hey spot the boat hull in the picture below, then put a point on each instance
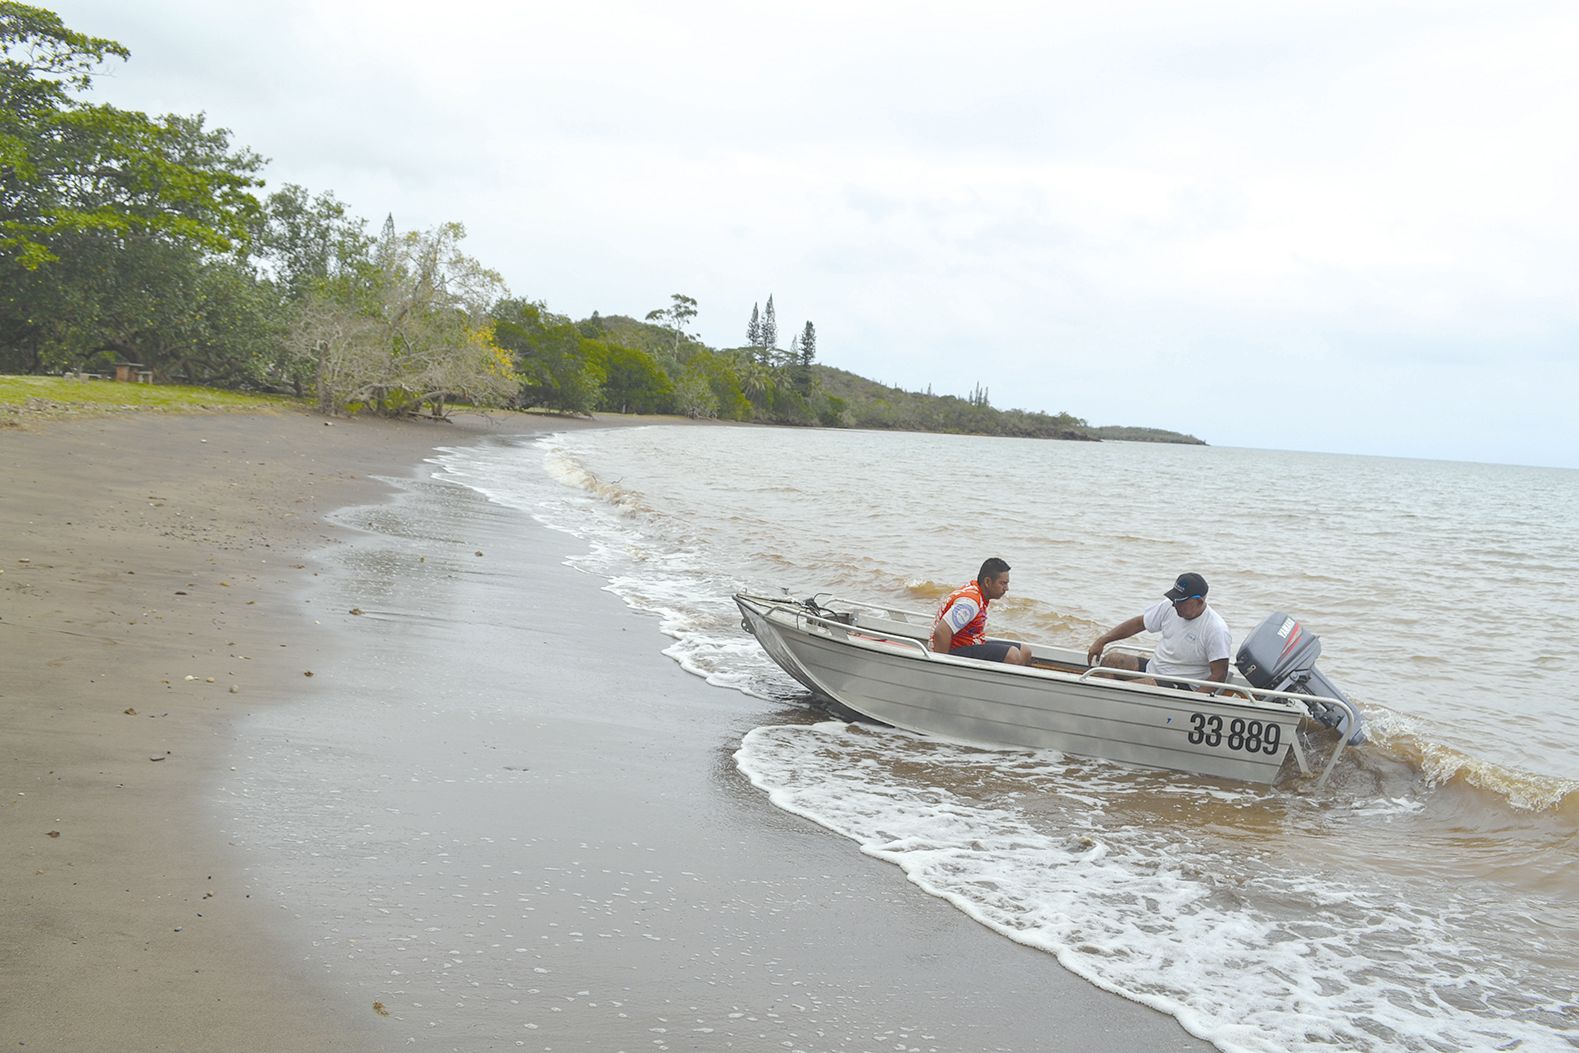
(988, 704)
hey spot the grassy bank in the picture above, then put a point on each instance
(26, 396)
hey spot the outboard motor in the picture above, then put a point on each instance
(1280, 655)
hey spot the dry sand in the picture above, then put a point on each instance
(152, 569)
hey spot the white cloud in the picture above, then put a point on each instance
(1344, 227)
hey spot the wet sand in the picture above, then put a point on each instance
(472, 827)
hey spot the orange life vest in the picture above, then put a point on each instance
(975, 630)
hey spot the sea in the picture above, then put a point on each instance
(1427, 898)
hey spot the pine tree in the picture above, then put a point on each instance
(805, 348)
(387, 249)
(754, 329)
(770, 332)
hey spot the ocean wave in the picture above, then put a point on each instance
(929, 591)
(1437, 764)
(563, 465)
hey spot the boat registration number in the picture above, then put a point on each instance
(1247, 736)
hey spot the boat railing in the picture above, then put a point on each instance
(844, 629)
(1262, 694)
(896, 613)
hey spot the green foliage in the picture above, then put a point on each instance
(867, 404)
(72, 167)
(117, 230)
(831, 412)
(228, 332)
(308, 241)
(718, 372)
(559, 368)
(693, 395)
(1130, 434)
(768, 333)
(633, 382)
(675, 318)
(185, 314)
(805, 355)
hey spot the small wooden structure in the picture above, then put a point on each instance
(128, 372)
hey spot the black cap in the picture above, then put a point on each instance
(1187, 587)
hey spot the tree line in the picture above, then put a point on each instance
(129, 237)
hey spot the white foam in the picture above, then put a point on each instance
(646, 558)
(1246, 952)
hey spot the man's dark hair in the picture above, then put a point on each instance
(991, 569)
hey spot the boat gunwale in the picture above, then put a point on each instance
(768, 607)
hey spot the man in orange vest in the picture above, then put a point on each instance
(961, 626)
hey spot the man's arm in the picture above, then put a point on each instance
(1219, 643)
(1219, 673)
(942, 636)
(1122, 631)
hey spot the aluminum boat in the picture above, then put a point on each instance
(876, 660)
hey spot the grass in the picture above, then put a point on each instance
(28, 396)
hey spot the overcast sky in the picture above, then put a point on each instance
(1350, 227)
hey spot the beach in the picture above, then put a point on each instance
(165, 582)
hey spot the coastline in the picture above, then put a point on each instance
(141, 551)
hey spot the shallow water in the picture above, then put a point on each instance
(1425, 901)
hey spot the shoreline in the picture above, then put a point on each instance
(187, 561)
(146, 575)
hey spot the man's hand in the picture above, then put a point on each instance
(1122, 631)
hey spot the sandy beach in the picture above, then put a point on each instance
(165, 581)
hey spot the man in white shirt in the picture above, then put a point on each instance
(1195, 640)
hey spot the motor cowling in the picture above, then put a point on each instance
(1280, 655)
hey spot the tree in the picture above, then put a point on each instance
(119, 234)
(345, 347)
(413, 329)
(67, 166)
(558, 368)
(693, 396)
(754, 329)
(806, 352)
(808, 345)
(675, 318)
(227, 330)
(729, 401)
(633, 382)
(770, 332)
(756, 381)
(308, 240)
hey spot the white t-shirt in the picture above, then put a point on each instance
(1187, 648)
